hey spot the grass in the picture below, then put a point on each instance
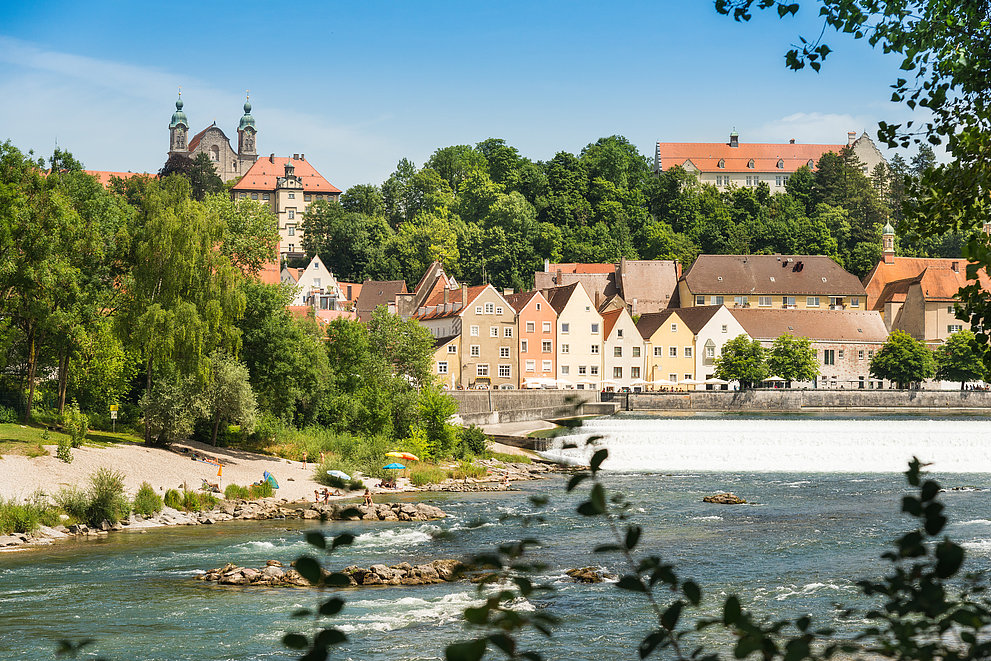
(420, 474)
(28, 440)
(548, 433)
(511, 458)
(467, 469)
(236, 492)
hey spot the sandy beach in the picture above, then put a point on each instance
(21, 476)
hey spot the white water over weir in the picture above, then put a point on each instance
(799, 444)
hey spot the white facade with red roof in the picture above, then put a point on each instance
(748, 164)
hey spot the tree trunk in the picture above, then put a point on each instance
(216, 426)
(32, 368)
(63, 379)
(148, 394)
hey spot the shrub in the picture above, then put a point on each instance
(76, 424)
(511, 458)
(7, 415)
(263, 490)
(207, 500)
(18, 517)
(420, 474)
(236, 492)
(107, 501)
(190, 501)
(355, 484)
(467, 469)
(73, 502)
(173, 499)
(472, 441)
(146, 501)
(64, 450)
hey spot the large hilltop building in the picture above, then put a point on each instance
(747, 164)
(213, 142)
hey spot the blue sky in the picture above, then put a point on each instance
(358, 85)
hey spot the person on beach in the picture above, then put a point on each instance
(505, 480)
(368, 497)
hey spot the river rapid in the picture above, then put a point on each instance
(824, 494)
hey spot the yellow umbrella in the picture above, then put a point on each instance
(403, 455)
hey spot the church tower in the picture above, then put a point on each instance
(178, 130)
(888, 244)
(247, 152)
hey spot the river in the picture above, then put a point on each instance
(824, 495)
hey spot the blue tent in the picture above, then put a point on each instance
(270, 479)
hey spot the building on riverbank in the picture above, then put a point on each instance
(645, 285)
(579, 336)
(623, 351)
(536, 323)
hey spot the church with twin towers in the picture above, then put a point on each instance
(213, 142)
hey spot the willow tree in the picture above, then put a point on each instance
(186, 294)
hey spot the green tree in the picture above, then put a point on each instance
(250, 231)
(436, 408)
(171, 407)
(365, 199)
(904, 360)
(793, 358)
(351, 244)
(958, 359)
(228, 396)
(743, 360)
(199, 171)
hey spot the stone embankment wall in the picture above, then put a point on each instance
(806, 400)
(488, 407)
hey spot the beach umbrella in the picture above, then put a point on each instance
(403, 455)
(689, 382)
(715, 381)
(775, 378)
(663, 382)
(394, 467)
(340, 474)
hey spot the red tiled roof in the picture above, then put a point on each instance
(104, 176)
(574, 267)
(817, 325)
(270, 274)
(264, 173)
(609, 320)
(375, 293)
(706, 155)
(942, 284)
(435, 304)
(889, 282)
(355, 289)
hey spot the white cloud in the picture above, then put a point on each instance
(814, 128)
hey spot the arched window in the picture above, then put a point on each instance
(781, 164)
(722, 163)
(214, 153)
(750, 164)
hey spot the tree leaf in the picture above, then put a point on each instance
(308, 568)
(295, 641)
(471, 650)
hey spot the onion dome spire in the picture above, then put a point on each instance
(179, 117)
(246, 120)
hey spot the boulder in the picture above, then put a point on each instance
(371, 578)
(273, 571)
(724, 499)
(587, 575)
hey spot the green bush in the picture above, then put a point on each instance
(510, 458)
(420, 474)
(472, 441)
(468, 469)
(355, 484)
(190, 501)
(18, 517)
(173, 499)
(107, 501)
(73, 502)
(207, 500)
(146, 501)
(7, 415)
(76, 424)
(64, 450)
(263, 490)
(236, 492)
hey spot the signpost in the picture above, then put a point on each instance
(113, 416)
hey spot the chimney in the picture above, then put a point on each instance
(302, 157)
(792, 141)
(557, 280)
(271, 158)
(734, 139)
(507, 291)
(547, 266)
(445, 296)
(851, 137)
(464, 296)
(295, 157)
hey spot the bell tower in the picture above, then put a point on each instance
(246, 134)
(888, 244)
(178, 130)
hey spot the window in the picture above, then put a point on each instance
(673, 377)
(565, 370)
(242, 195)
(507, 331)
(254, 196)
(493, 331)
(840, 354)
(538, 307)
(546, 346)
(828, 357)
(811, 164)
(617, 352)
(954, 328)
(531, 366)
(741, 301)
(547, 327)
(811, 301)
(265, 196)
(482, 369)
(781, 164)
(855, 302)
(673, 352)
(860, 354)
(316, 282)
(700, 300)
(687, 377)
(764, 301)
(719, 180)
(452, 348)
(688, 352)
(530, 326)
(634, 372)
(291, 230)
(292, 247)
(524, 345)
(658, 351)
(636, 352)
(478, 309)
(619, 332)
(504, 352)
(715, 300)
(722, 163)
(475, 351)
(593, 370)
(546, 365)
(750, 164)
(474, 331)
(595, 350)
(949, 309)
(565, 329)
(306, 198)
(710, 352)
(442, 367)
(617, 372)
(489, 308)
(582, 370)
(595, 329)
(725, 328)
(565, 348)
(292, 196)
(505, 371)
(674, 328)
(750, 180)
(788, 301)
(291, 213)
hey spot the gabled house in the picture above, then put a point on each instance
(537, 324)
(447, 362)
(623, 351)
(314, 285)
(789, 282)
(579, 337)
(375, 293)
(485, 324)
(682, 344)
(645, 285)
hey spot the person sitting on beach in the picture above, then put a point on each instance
(368, 497)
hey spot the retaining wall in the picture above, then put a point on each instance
(806, 400)
(487, 407)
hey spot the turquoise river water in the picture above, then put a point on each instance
(825, 493)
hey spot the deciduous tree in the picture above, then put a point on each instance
(793, 358)
(958, 359)
(743, 360)
(904, 360)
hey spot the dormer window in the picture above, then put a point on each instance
(722, 163)
(781, 164)
(750, 164)
(810, 164)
